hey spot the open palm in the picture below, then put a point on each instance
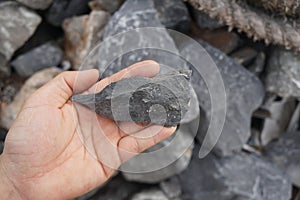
(59, 150)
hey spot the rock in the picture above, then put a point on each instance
(17, 25)
(154, 194)
(258, 65)
(283, 73)
(281, 114)
(44, 56)
(88, 195)
(285, 153)
(244, 93)
(242, 177)
(9, 86)
(161, 100)
(118, 188)
(63, 9)
(244, 56)
(166, 159)
(173, 14)
(171, 187)
(36, 4)
(219, 38)
(82, 34)
(294, 124)
(10, 112)
(204, 21)
(149, 43)
(107, 5)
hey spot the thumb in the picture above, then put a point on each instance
(58, 91)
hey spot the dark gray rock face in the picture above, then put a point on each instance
(205, 21)
(285, 152)
(63, 9)
(36, 4)
(173, 14)
(171, 187)
(161, 100)
(136, 14)
(244, 94)
(283, 73)
(17, 25)
(241, 177)
(168, 158)
(44, 56)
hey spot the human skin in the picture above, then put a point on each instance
(44, 156)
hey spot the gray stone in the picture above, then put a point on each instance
(82, 34)
(173, 14)
(285, 152)
(281, 114)
(283, 73)
(152, 194)
(204, 21)
(44, 56)
(244, 94)
(107, 5)
(258, 65)
(161, 100)
(171, 187)
(10, 112)
(136, 14)
(241, 177)
(118, 188)
(63, 9)
(171, 161)
(36, 4)
(244, 56)
(17, 25)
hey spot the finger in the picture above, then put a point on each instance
(58, 91)
(131, 145)
(146, 68)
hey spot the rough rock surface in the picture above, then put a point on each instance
(17, 25)
(10, 112)
(171, 187)
(152, 194)
(136, 14)
(285, 152)
(204, 21)
(63, 9)
(241, 176)
(107, 5)
(36, 4)
(179, 150)
(283, 73)
(82, 34)
(44, 56)
(161, 100)
(244, 94)
(173, 14)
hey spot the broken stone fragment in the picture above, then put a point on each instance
(283, 73)
(82, 34)
(41, 57)
(161, 100)
(36, 4)
(17, 24)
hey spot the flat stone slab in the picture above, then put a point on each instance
(162, 100)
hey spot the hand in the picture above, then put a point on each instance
(55, 150)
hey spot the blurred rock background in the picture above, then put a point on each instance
(258, 154)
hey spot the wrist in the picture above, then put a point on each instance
(7, 188)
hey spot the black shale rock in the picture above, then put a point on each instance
(161, 100)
